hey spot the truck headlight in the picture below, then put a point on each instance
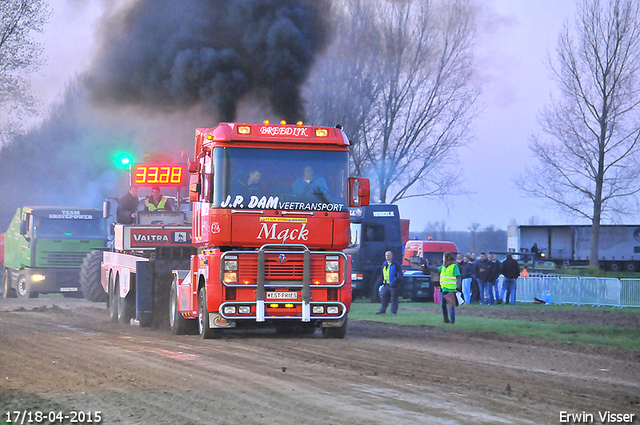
(332, 310)
(332, 266)
(231, 265)
(244, 309)
(331, 277)
(317, 309)
(229, 309)
(37, 277)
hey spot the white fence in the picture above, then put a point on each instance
(578, 290)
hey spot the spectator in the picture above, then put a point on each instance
(511, 271)
(435, 274)
(128, 206)
(450, 281)
(492, 279)
(391, 279)
(536, 253)
(466, 274)
(482, 273)
(475, 292)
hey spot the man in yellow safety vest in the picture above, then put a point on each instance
(391, 279)
(450, 281)
(156, 202)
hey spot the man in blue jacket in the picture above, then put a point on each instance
(391, 279)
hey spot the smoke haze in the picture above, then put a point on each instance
(162, 69)
(169, 55)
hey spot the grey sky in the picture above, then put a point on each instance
(514, 39)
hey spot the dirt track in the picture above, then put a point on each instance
(64, 354)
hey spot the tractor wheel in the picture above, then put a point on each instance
(90, 278)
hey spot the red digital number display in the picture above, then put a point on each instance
(158, 175)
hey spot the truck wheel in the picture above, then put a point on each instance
(206, 332)
(90, 277)
(127, 307)
(375, 290)
(631, 267)
(7, 290)
(114, 294)
(339, 332)
(179, 325)
(23, 292)
(615, 267)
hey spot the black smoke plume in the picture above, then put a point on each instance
(168, 54)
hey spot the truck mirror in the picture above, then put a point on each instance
(23, 227)
(359, 192)
(194, 167)
(194, 188)
(106, 209)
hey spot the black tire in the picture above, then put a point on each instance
(7, 290)
(205, 331)
(179, 325)
(127, 305)
(114, 295)
(615, 267)
(22, 290)
(631, 267)
(376, 282)
(90, 278)
(338, 332)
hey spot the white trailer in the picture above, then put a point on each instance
(570, 244)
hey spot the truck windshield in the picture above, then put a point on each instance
(68, 229)
(248, 178)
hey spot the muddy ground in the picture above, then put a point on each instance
(64, 354)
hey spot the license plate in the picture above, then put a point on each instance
(282, 295)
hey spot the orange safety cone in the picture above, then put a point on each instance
(524, 273)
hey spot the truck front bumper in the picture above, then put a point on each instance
(46, 280)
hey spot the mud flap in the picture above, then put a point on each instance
(144, 292)
(217, 321)
(334, 323)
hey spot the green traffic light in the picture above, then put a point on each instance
(123, 160)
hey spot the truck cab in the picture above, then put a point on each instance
(271, 222)
(417, 282)
(375, 229)
(45, 247)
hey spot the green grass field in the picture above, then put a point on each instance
(420, 314)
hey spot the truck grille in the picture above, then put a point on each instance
(292, 269)
(63, 259)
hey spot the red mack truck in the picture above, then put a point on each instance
(270, 222)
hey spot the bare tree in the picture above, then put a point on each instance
(588, 163)
(399, 74)
(19, 55)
